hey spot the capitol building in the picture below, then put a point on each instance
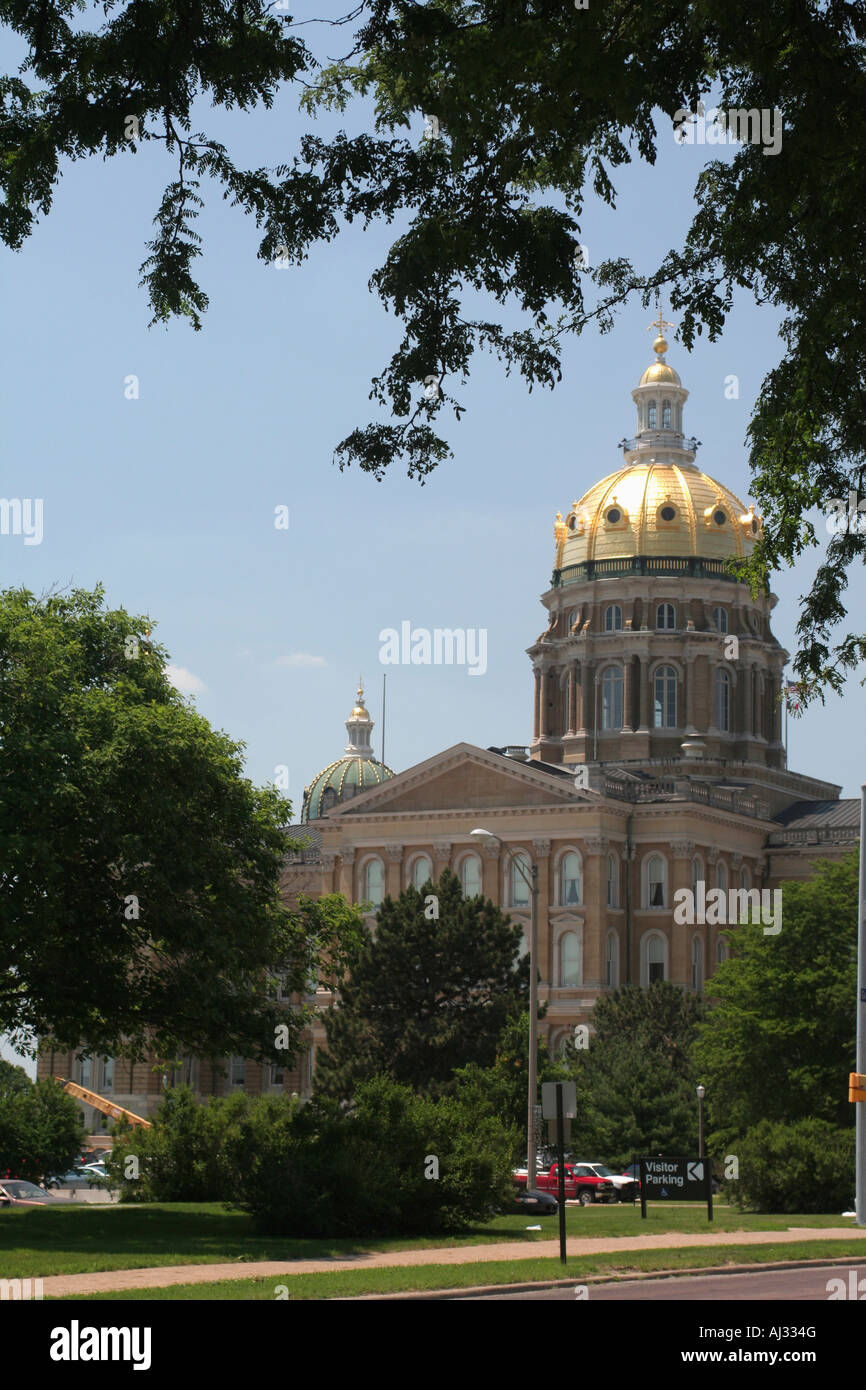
(656, 761)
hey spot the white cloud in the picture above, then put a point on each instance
(301, 659)
(184, 680)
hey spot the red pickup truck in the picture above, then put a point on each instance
(581, 1183)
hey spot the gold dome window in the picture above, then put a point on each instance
(666, 515)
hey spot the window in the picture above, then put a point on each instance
(722, 876)
(108, 1073)
(720, 517)
(652, 415)
(745, 879)
(374, 882)
(721, 950)
(573, 617)
(612, 618)
(614, 516)
(666, 618)
(665, 706)
(666, 415)
(519, 884)
(86, 1072)
(569, 879)
(611, 960)
(655, 877)
(611, 698)
(697, 875)
(283, 991)
(722, 717)
(655, 957)
(238, 1073)
(668, 513)
(720, 618)
(612, 881)
(422, 871)
(697, 963)
(470, 875)
(569, 960)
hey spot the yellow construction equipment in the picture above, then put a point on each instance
(98, 1102)
(856, 1086)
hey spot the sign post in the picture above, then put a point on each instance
(558, 1102)
(676, 1179)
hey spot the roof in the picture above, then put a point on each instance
(807, 815)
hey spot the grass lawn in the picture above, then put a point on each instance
(352, 1283)
(75, 1240)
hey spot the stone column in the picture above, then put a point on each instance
(347, 872)
(680, 936)
(595, 902)
(490, 872)
(644, 694)
(689, 679)
(537, 713)
(627, 722)
(329, 860)
(570, 684)
(544, 962)
(585, 698)
(748, 724)
(544, 728)
(394, 870)
(442, 858)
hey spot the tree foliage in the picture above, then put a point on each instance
(806, 1166)
(780, 1040)
(532, 107)
(139, 870)
(636, 1081)
(425, 994)
(41, 1130)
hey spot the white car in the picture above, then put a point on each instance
(626, 1188)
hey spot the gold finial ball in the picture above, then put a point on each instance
(660, 345)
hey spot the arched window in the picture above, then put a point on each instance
(666, 415)
(611, 698)
(86, 1072)
(611, 960)
(651, 415)
(722, 717)
(722, 876)
(655, 881)
(470, 876)
(697, 963)
(519, 884)
(613, 618)
(720, 618)
(666, 618)
(612, 881)
(655, 959)
(569, 880)
(422, 871)
(665, 701)
(108, 1073)
(745, 878)
(569, 960)
(721, 950)
(374, 882)
(573, 617)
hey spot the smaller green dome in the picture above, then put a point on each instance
(339, 781)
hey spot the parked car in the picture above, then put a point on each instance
(93, 1175)
(581, 1183)
(16, 1192)
(535, 1203)
(627, 1189)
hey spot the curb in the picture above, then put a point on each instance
(439, 1294)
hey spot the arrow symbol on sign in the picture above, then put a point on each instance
(696, 1172)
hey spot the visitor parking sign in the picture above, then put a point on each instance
(676, 1179)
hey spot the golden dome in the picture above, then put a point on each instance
(358, 710)
(660, 371)
(657, 509)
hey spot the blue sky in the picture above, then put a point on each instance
(168, 500)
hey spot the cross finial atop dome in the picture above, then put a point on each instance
(660, 324)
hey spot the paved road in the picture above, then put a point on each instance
(785, 1285)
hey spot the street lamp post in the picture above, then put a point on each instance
(701, 1093)
(531, 880)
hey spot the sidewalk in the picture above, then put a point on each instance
(68, 1285)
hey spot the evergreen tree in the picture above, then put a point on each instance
(430, 990)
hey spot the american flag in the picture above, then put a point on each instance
(793, 696)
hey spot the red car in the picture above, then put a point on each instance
(581, 1183)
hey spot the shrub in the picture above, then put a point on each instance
(320, 1170)
(806, 1166)
(185, 1157)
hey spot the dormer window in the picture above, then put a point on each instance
(614, 516)
(720, 517)
(651, 415)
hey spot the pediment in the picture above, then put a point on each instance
(462, 776)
